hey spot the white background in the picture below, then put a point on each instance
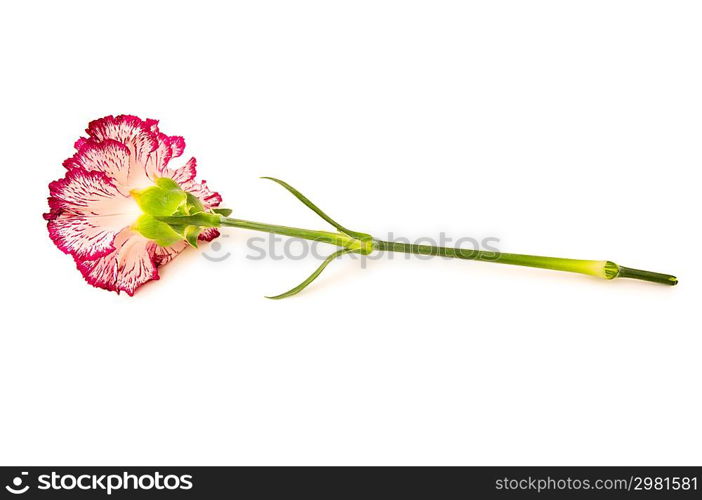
(563, 128)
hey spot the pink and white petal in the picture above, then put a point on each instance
(128, 267)
(169, 147)
(208, 198)
(131, 131)
(152, 125)
(184, 174)
(163, 255)
(158, 159)
(208, 234)
(177, 144)
(134, 133)
(78, 237)
(80, 143)
(86, 212)
(109, 156)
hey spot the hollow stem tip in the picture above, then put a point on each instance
(664, 279)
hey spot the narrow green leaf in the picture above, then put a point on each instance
(312, 276)
(191, 234)
(223, 211)
(297, 194)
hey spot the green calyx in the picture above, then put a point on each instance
(163, 198)
(171, 214)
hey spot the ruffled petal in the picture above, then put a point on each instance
(129, 266)
(208, 234)
(110, 157)
(80, 143)
(149, 150)
(184, 174)
(131, 131)
(163, 255)
(169, 147)
(136, 135)
(86, 212)
(177, 145)
(207, 197)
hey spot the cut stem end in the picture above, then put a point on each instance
(638, 274)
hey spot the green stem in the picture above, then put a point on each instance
(364, 244)
(338, 239)
(600, 268)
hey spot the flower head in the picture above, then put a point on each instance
(97, 211)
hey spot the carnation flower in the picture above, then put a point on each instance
(94, 208)
(121, 212)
